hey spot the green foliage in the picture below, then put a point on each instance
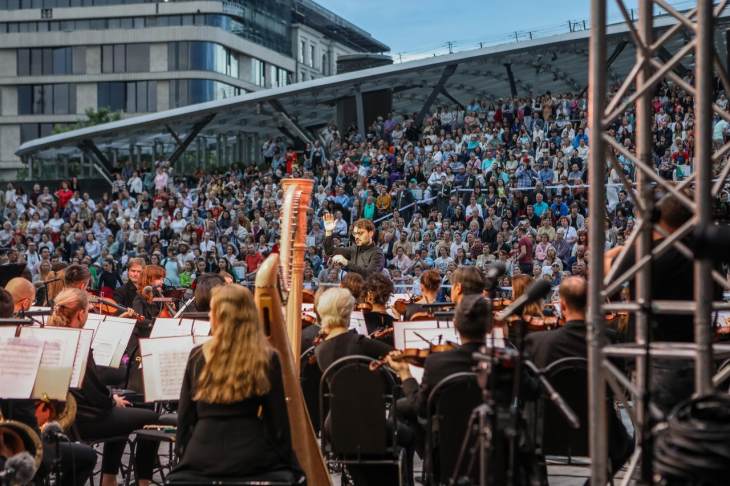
(93, 117)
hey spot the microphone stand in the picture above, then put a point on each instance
(513, 428)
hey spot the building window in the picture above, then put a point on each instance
(125, 58)
(302, 51)
(312, 55)
(201, 56)
(31, 131)
(48, 61)
(258, 72)
(129, 97)
(190, 91)
(323, 67)
(282, 76)
(47, 99)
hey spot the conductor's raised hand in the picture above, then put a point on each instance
(329, 223)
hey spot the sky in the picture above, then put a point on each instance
(419, 28)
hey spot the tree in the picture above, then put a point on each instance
(93, 117)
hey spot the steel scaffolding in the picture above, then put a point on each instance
(636, 91)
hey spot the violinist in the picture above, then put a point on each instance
(148, 287)
(466, 281)
(203, 291)
(519, 286)
(77, 460)
(430, 283)
(354, 283)
(125, 294)
(334, 307)
(76, 276)
(100, 414)
(377, 290)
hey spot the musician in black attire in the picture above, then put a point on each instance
(377, 290)
(232, 416)
(466, 281)
(430, 283)
(365, 257)
(203, 291)
(569, 341)
(334, 307)
(77, 460)
(125, 294)
(672, 278)
(101, 415)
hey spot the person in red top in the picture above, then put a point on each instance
(253, 259)
(64, 195)
(524, 255)
(291, 160)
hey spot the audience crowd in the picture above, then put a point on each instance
(495, 180)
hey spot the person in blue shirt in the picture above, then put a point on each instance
(546, 174)
(540, 205)
(558, 207)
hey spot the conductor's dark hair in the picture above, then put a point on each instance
(203, 287)
(7, 306)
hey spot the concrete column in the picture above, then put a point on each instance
(158, 58)
(9, 102)
(93, 59)
(86, 97)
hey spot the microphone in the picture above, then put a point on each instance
(494, 272)
(19, 469)
(52, 432)
(538, 290)
(43, 283)
(41, 312)
(147, 290)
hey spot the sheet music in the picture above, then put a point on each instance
(21, 358)
(82, 356)
(92, 325)
(201, 339)
(7, 332)
(123, 320)
(111, 340)
(201, 328)
(57, 361)
(357, 322)
(163, 366)
(170, 326)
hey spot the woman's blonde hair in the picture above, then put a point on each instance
(237, 357)
(66, 305)
(519, 285)
(334, 307)
(56, 286)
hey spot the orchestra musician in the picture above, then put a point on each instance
(519, 286)
(76, 276)
(430, 283)
(22, 292)
(100, 414)
(77, 460)
(125, 294)
(377, 290)
(203, 291)
(334, 307)
(466, 281)
(148, 285)
(354, 282)
(365, 257)
(232, 416)
(54, 283)
(568, 341)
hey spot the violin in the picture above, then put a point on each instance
(413, 356)
(381, 333)
(400, 305)
(109, 307)
(168, 310)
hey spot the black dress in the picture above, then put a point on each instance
(240, 439)
(349, 344)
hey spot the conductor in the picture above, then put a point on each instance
(365, 257)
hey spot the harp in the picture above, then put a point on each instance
(283, 275)
(297, 195)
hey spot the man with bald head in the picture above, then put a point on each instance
(23, 293)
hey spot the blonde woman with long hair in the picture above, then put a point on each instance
(102, 415)
(232, 417)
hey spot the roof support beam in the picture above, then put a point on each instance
(102, 164)
(298, 131)
(172, 132)
(614, 55)
(665, 56)
(360, 112)
(448, 71)
(511, 78)
(452, 99)
(194, 131)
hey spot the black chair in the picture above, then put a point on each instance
(569, 376)
(309, 375)
(449, 407)
(360, 428)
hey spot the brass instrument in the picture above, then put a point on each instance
(303, 437)
(64, 413)
(17, 437)
(297, 194)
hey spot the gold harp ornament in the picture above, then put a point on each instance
(304, 441)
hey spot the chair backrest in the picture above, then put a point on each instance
(569, 376)
(309, 375)
(449, 407)
(354, 400)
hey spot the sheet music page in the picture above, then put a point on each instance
(21, 358)
(201, 339)
(7, 332)
(82, 356)
(57, 361)
(357, 322)
(92, 325)
(123, 320)
(163, 366)
(170, 326)
(110, 341)
(201, 328)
